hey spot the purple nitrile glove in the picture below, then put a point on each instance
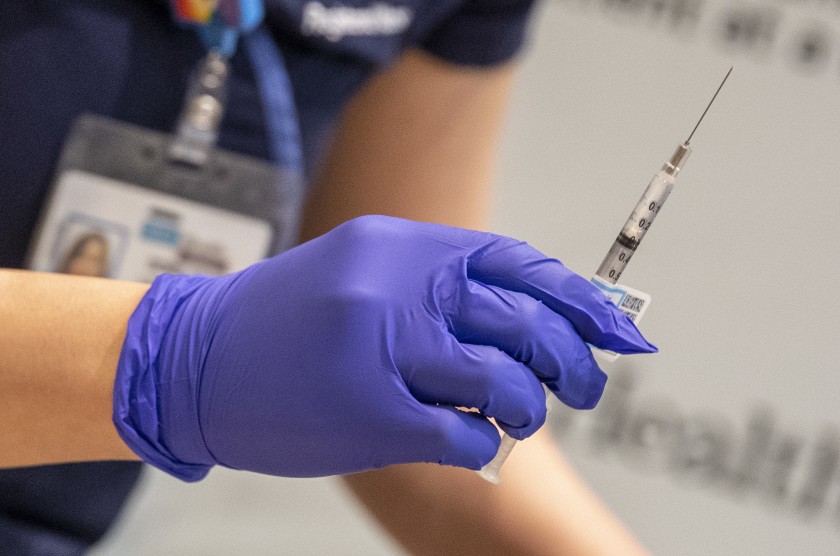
(351, 352)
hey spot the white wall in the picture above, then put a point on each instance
(727, 441)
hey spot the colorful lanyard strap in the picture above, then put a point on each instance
(219, 23)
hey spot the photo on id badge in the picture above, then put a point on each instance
(88, 246)
(120, 208)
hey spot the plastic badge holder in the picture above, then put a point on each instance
(154, 214)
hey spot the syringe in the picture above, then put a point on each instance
(648, 207)
(622, 249)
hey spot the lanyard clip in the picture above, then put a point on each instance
(198, 125)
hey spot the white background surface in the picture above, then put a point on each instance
(741, 263)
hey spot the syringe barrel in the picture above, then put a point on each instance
(640, 221)
(614, 263)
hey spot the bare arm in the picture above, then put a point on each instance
(541, 507)
(60, 338)
(419, 143)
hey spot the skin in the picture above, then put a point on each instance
(60, 338)
(403, 148)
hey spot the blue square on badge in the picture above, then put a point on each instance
(161, 227)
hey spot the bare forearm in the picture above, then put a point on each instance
(60, 338)
(541, 507)
(424, 154)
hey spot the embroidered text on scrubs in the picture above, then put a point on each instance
(335, 23)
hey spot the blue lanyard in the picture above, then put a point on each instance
(279, 105)
(281, 123)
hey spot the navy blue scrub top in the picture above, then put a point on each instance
(126, 59)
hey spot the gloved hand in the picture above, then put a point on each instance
(350, 352)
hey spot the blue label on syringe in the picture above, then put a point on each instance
(631, 302)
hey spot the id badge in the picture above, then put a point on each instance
(120, 207)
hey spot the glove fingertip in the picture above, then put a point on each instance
(469, 439)
(521, 433)
(628, 346)
(584, 393)
(623, 336)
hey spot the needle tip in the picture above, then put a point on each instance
(690, 135)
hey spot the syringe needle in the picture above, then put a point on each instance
(709, 105)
